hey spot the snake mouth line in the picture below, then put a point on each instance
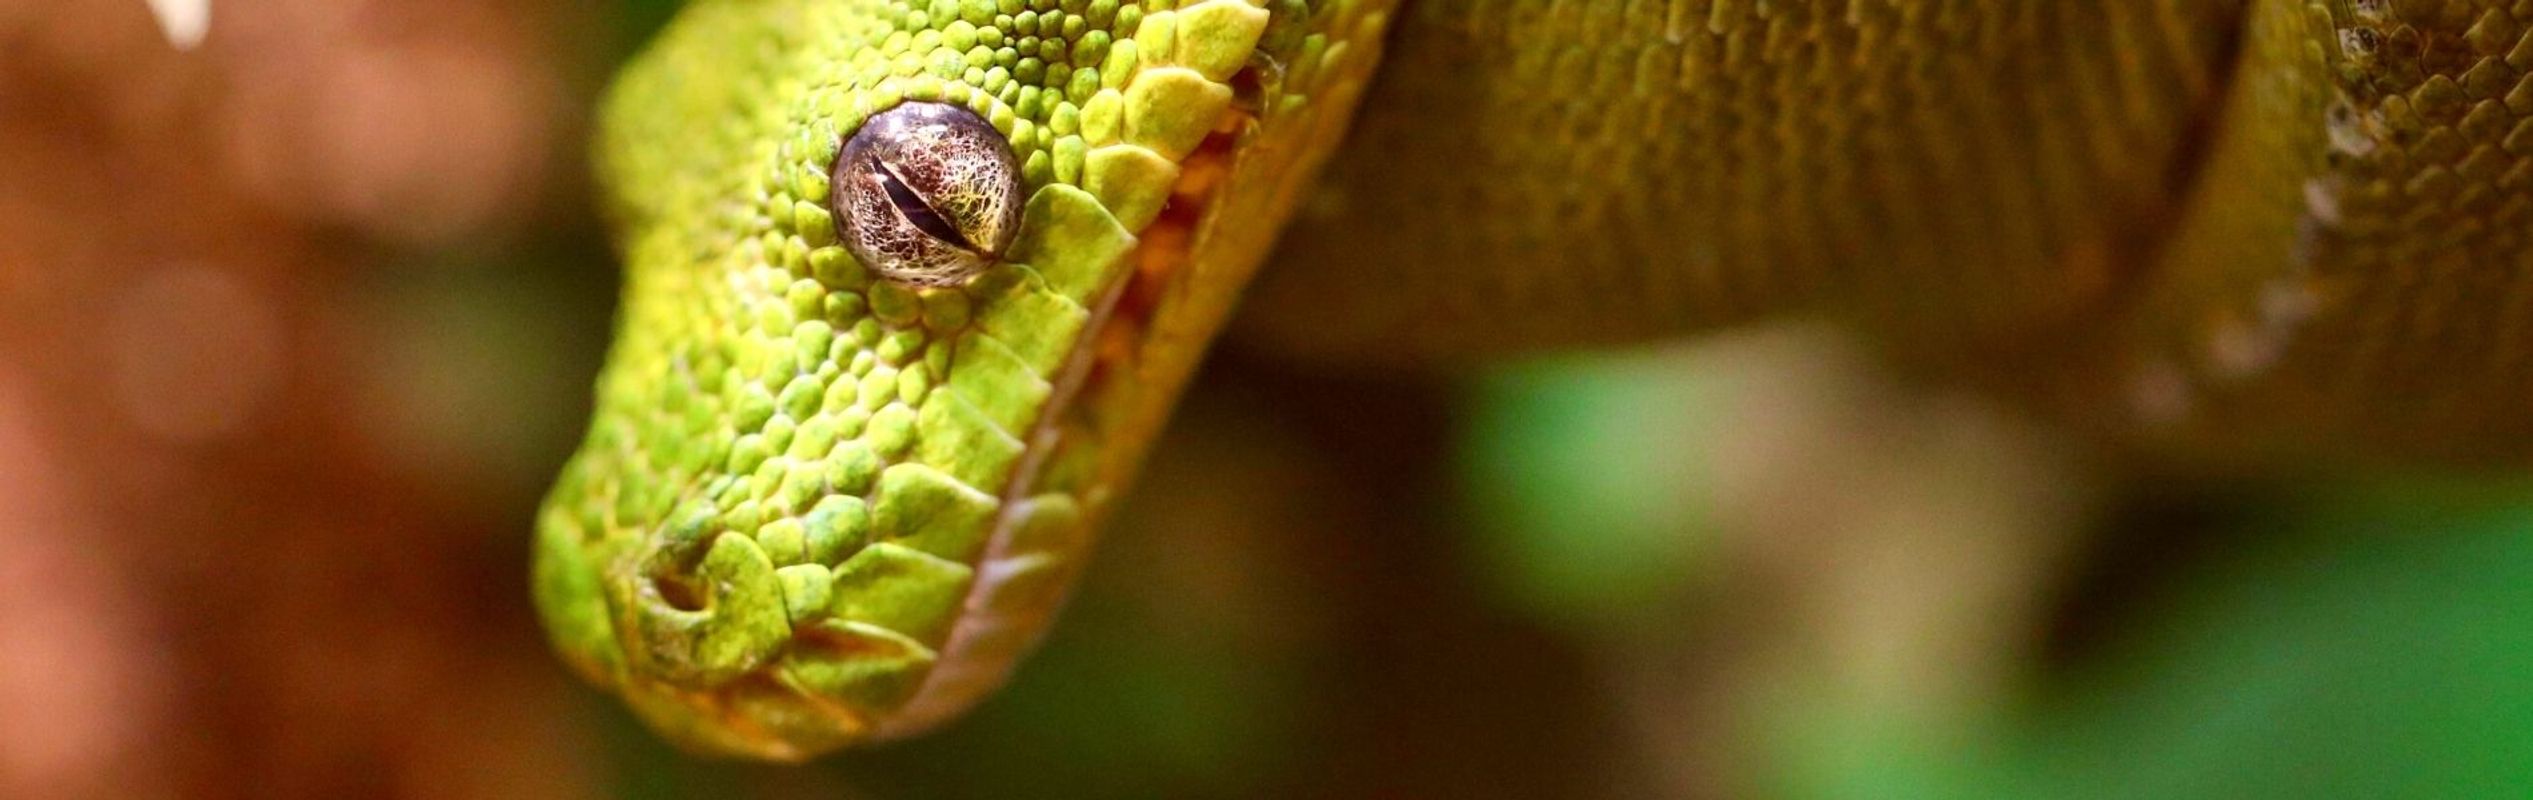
(1098, 371)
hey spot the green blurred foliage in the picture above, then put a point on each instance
(2369, 641)
(2322, 637)
(1585, 483)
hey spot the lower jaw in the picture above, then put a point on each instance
(1112, 399)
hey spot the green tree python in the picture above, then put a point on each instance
(912, 284)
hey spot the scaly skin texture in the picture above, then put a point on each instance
(1567, 172)
(2244, 228)
(816, 508)
(2352, 273)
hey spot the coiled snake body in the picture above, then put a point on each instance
(913, 283)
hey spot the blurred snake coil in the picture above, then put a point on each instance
(819, 505)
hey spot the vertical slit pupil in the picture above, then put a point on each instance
(916, 211)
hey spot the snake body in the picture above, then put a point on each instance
(819, 505)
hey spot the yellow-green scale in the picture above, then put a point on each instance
(796, 470)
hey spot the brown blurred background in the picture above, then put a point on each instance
(295, 325)
(290, 325)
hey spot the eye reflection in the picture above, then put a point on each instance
(927, 194)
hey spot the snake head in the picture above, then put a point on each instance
(904, 300)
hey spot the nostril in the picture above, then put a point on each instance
(680, 593)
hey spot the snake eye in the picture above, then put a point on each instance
(927, 194)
